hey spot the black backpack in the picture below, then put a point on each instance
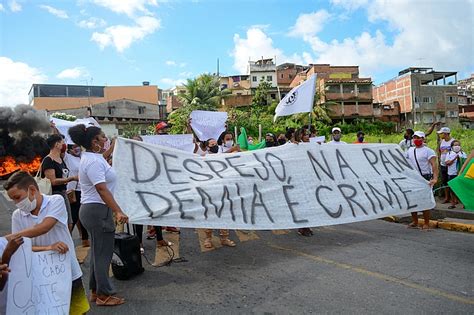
(126, 259)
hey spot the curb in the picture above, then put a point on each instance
(445, 225)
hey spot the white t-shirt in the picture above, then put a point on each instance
(52, 207)
(444, 148)
(72, 163)
(406, 144)
(423, 155)
(453, 168)
(336, 142)
(4, 292)
(94, 170)
(224, 149)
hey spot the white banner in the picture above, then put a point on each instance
(179, 142)
(39, 282)
(298, 100)
(283, 187)
(207, 125)
(64, 125)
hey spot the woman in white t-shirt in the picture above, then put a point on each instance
(453, 160)
(98, 180)
(423, 160)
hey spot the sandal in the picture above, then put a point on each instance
(426, 228)
(227, 242)
(109, 301)
(208, 243)
(413, 226)
(93, 297)
(305, 232)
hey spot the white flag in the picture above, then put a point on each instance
(298, 100)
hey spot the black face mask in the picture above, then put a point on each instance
(407, 137)
(214, 149)
(281, 141)
(269, 144)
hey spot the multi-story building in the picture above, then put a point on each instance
(240, 90)
(172, 100)
(342, 91)
(262, 70)
(465, 91)
(423, 94)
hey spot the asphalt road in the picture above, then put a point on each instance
(370, 267)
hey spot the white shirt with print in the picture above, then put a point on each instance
(444, 148)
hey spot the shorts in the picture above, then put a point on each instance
(451, 177)
(444, 174)
(79, 301)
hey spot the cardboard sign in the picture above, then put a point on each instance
(207, 125)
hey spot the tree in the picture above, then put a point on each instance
(201, 93)
(260, 99)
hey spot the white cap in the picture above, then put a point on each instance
(335, 129)
(444, 130)
(420, 134)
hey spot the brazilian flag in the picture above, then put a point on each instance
(245, 145)
(463, 187)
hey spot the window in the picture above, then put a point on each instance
(427, 99)
(290, 76)
(417, 100)
(364, 88)
(141, 110)
(269, 78)
(273, 96)
(452, 99)
(111, 110)
(52, 91)
(254, 78)
(333, 88)
(348, 88)
(281, 76)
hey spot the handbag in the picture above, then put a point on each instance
(44, 184)
(71, 195)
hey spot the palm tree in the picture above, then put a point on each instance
(203, 91)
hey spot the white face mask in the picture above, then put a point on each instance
(26, 205)
(456, 148)
(229, 143)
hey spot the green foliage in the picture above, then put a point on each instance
(131, 130)
(63, 116)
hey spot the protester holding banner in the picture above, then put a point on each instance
(336, 136)
(54, 168)
(407, 142)
(72, 158)
(223, 233)
(44, 219)
(226, 143)
(270, 140)
(98, 180)
(424, 160)
(454, 160)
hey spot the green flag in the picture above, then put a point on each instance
(463, 187)
(245, 145)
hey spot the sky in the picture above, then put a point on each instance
(125, 42)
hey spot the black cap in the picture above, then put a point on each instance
(360, 133)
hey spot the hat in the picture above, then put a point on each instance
(335, 129)
(161, 125)
(444, 130)
(420, 134)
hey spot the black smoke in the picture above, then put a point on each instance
(23, 132)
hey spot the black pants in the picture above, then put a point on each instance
(139, 231)
(75, 215)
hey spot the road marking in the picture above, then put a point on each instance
(377, 275)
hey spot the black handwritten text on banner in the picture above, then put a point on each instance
(277, 188)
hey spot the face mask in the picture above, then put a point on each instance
(281, 141)
(269, 144)
(250, 141)
(76, 151)
(63, 148)
(214, 149)
(456, 148)
(336, 137)
(26, 205)
(107, 144)
(360, 139)
(418, 142)
(229, 143)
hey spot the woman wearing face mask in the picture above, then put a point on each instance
(226, 143)
(213, 148)
(454, 160)
(270, 140)
(72, 158)
(54, 168)
(424, 160)
(98, 179)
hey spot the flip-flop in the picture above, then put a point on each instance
(413, 226)
(109, 301)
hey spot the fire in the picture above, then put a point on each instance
(10, 165)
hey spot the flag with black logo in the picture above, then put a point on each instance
(298, 100)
